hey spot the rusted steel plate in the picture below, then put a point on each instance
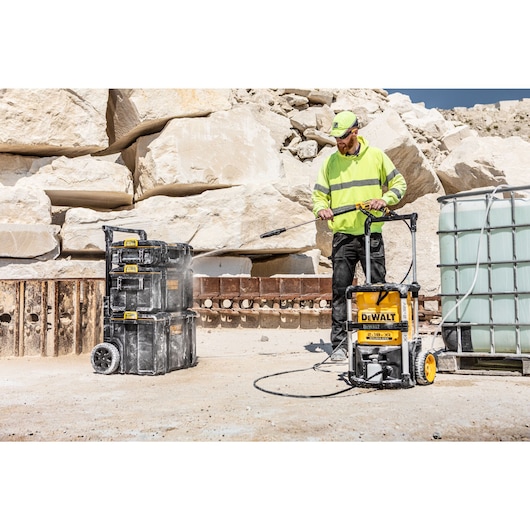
(50, 317)
(9, 317)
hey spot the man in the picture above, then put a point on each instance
(355, 173)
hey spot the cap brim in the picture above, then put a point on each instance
(337, 133)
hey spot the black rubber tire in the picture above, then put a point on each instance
(425, 368)
(105, 358)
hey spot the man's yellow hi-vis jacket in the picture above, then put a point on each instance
(345, 180)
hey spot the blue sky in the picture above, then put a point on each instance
(448, 98)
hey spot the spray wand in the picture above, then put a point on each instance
(336, 211)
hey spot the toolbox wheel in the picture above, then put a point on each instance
(105, 358)
(425, 368)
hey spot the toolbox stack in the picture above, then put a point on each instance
(148, 326)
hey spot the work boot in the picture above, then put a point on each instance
(339, 354)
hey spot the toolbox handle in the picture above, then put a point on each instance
(130, 284)
(109, 232)
(109, 236)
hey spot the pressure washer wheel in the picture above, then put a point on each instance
(425, 368)
(105, 358)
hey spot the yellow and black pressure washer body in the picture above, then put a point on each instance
(387, 352)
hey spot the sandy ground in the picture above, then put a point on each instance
(253, 385)
(269, 481)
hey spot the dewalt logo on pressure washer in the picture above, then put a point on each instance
(376, 321)
(378, 317)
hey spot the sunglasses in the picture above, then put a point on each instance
(348, 132)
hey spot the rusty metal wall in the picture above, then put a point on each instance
(49, 318)
(266, 302)
(55, 317)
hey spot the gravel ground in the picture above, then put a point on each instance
(62, 399)
(268, 484)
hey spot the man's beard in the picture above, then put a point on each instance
(344, 147)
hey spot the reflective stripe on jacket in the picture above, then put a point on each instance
(348, 180)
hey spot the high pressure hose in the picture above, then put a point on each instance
(303, 396)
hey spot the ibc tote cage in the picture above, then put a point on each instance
(485, 271)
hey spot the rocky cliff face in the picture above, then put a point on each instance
(504, 119)
(217, 168)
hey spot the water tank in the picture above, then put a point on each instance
(485, 270)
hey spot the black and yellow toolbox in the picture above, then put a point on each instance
(148, 323)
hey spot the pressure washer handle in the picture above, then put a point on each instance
(388, 215)
(274, 232)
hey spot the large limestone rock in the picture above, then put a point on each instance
(228, 148)
(215, 222)
(19, 205)
(430, 121)
(452, 138)
(298, 172)
(21, 269)
(139, 112)
(363, 102)
(319, 118)
(14, 167)
(303, 263)
(25, 229)
(479, 162)
(313, 95)
(221, 266)
(53, 121)
(85, 181)
(29, 241)
(388, 132)
(279, 126)
(401, 103)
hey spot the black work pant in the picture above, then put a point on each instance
(348, 250)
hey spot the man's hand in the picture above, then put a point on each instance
(326, 214)
(375, 204)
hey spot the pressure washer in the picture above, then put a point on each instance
(387, 352)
